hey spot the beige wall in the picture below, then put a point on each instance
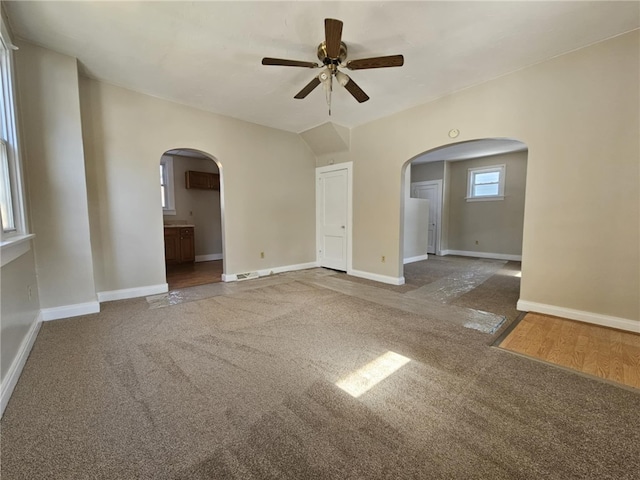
(578, 114)
(197, 207)
(424, 172)
(17, 312)
(268, 185)
(54, 165)
(495, 225)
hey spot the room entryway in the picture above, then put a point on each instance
(465, 200)
(191, 193)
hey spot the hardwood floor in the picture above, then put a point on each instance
(192, 274)
(591, 349)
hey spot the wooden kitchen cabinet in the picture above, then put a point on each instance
(171, 245)
(187, 246)
(179, 245)
(202, 180)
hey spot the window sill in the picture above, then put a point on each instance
(485, 199)
(14, 247)
(168, 212)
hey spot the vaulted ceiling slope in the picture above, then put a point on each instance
(207, 54)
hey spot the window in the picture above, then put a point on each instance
(6, 197)
(166, 186)
(486, 183)
(11, 199)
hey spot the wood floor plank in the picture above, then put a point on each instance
(616, 361)
(631, 359)
(192, 274)
(549, 340)
(591, 349)
(580, 350)
(604, 355)
(590, 364)
(631, 375)
(518, 335)
(519, 339)
(536, 337)
(630, 339)
(557, 354)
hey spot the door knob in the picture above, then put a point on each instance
(342, 226)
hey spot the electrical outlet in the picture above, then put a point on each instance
(476, 242)
(384, 259)
(261, 254)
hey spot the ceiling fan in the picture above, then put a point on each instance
(333, 54)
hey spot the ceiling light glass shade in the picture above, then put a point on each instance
(325, 76)
(342, 78)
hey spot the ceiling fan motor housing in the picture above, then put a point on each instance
(326, 60)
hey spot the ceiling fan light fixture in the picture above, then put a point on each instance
(342, 78)
(325, 76)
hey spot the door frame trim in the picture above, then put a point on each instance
(439, 183)
(348, 166)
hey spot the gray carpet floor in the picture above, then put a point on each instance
(240, 382)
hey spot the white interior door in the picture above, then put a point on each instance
(433, 192)
(332, 220)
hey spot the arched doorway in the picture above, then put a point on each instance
(192, 197)
(462, 219)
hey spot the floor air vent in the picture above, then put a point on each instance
(247, 276)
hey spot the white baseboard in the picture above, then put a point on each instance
(67, 311)
(418, 258)
(132, 292)
(581, 316)
(13, 374)
(287, 268)
(495, 256)
(209, 257)
(232, 277)
(377, 277)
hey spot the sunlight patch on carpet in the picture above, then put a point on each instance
(365, 378)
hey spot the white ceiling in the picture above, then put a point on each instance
(471, 149)
(207, 54)
(187, 153)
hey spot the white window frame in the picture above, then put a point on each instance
(13, 243)
(169, 187)
(471, 175)
(7, 212)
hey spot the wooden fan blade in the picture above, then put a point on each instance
(353, 88)
(333, 36)
(288, 63)
(307, 90)
(376, 62)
